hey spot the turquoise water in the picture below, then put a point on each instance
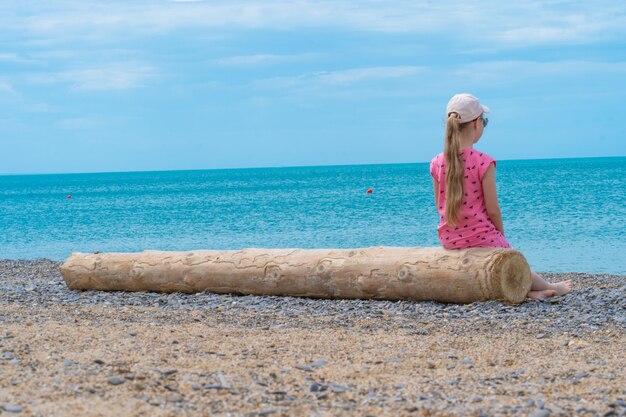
(563, 214)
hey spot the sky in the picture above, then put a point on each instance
(95, 86)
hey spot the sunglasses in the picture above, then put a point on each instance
(484, 119)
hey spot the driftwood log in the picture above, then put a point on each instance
(391, 273)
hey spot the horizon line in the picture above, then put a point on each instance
(281, 167)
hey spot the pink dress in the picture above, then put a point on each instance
(475, 228)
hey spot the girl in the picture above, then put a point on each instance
(464, 180)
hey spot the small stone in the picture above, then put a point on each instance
(266, 412)
(12, 408)
(223, 380)
(540, 413)
(175, 398)
(315, 387)
(116, 381)
(133, 333)
(541, 336)
(304, 368)
(318, 363)
(213, 386)
(68, 363)
(168, 373)
(155, 402)
(99, 362)
(338, 388)
(7, 355)
(467, 361)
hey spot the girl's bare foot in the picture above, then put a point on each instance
(541, 294)
(556, 289)
(562, 287)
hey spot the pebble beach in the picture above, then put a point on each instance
(88, 353)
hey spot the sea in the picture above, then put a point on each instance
(564, 215)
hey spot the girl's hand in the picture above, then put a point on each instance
(491, 198)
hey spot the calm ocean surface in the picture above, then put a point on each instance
(564, 214)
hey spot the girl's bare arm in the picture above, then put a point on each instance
(436, 188)
(491, 198)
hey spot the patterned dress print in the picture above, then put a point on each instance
(474, 228)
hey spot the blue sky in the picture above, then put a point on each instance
(90, 86)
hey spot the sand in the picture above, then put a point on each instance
(249, 356)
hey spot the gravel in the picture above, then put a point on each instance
(598, 301)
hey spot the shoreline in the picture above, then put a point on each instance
(93, 353)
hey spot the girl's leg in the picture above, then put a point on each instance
(541, 288)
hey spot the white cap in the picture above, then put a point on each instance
(467, 106)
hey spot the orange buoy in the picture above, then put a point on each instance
(69, 196)
(370, 191)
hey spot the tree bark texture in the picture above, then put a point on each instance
(389, 273)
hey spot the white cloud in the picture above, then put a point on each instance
(365, 74)
(6, 88)
(261, 59)
(524, 22)
(341, 77)
(115, 76)
(8, 57)
(419, 82)
(79, 123)
(516, 71)
(14, 58)
(563, 28)
(120, 77)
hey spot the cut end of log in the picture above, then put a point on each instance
(513, 272)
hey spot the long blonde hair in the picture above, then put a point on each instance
(454, 167)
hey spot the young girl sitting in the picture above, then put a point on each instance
(464, 180)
